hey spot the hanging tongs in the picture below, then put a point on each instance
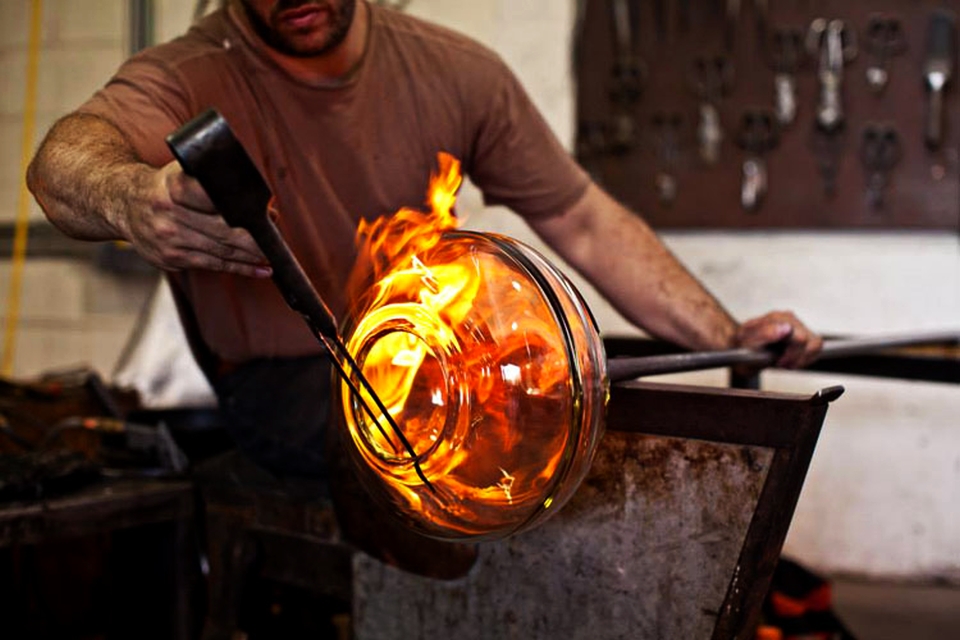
(208, 151)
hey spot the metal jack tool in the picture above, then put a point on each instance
(834, 45)
(627, 79)
(591, 146)
(731, 20)
(884, 38)
(711, 78)
(827, 147)
(880, 151)
(762, 10)
(665, 127)
(938, 70)
(207, 150)
(786, 56)
(758, 134)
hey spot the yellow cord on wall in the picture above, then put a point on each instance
(23, 199)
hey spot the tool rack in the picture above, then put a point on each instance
(638, 114)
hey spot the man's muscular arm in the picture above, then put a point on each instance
(91, 185)
(619, 253)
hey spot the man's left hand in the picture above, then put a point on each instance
(801, 346)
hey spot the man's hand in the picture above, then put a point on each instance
(92, 185)
(175, 226)
(800, 345)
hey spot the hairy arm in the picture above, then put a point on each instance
(85, 176)
(92, 186)
(623, 258)
(619, 253)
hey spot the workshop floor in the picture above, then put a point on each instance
(898, 612)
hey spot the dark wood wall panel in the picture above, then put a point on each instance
(923, 189)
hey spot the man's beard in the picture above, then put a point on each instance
(341, 17)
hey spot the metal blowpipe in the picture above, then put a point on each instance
(208, 151)
(620, 369)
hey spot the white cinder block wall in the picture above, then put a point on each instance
(883, 494)
(71, 314)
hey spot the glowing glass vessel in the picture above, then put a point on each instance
(491, 365)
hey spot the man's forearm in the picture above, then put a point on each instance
(623, 258)
(85, 175)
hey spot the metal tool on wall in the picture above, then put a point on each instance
(665, 128)
(711, 78)
(731, 20)
(626, 77)
(761, 10)
(786, 57)
(827, 148)
(830, 98)
(591, 146)
(883, 38)
(833, 44)
(683, 18)
(757, 135)
(591, 143)
(938, 70)
(661, 18)
(880, 151)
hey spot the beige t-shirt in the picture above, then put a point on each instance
(335, 155)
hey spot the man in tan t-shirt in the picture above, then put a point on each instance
(343, 106)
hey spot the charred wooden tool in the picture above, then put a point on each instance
(208, 151)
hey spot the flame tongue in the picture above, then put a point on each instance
(465, 355)
(390, 242)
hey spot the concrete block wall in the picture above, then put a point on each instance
(883, 493)
(71, 313)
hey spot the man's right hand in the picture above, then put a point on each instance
(174, 226)
(93, 186)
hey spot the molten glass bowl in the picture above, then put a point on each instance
(492, 367)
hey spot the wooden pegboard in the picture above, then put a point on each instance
(923, 190)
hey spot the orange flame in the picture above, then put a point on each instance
(393, 240)
(477, 397)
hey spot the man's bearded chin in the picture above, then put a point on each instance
(341, 17)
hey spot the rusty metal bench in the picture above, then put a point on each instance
(674, 533)
(110, 507)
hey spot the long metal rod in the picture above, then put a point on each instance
(620, 369)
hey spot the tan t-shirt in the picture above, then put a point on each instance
(335, 155)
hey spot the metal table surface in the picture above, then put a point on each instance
(674, 533)
(112, 506)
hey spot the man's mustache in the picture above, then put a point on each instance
(283, 5)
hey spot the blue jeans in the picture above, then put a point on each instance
(278, 413)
